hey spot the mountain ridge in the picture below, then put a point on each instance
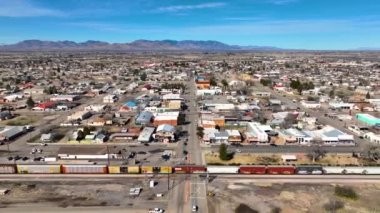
(137, 45)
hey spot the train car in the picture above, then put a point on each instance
(281, 170)
(39, 169)
(309, 170)
(189, 169)
(371, 170)
(252, 169)
(223, 169)
(114, 170)
(84, 169)
(333, 170)
(131, 170)
(8, 169)
(166, 170)
(147, 169)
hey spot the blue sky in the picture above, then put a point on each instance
(304, 24)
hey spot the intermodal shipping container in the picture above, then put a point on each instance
(114, 169)
(147, 169)
(84, 169)
(166, 170)
(284, 170)
(252, 169)
(333, 170)
(39, 169)
(133, 170)
(189, 169)
(7, 169)
(223, 169)
(371, 170)
(309, 170)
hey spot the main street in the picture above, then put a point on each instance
(190, 190)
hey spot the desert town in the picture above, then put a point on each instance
(216, 113)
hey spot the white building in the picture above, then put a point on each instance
(311, 104)
(372, 137)
(110, 99)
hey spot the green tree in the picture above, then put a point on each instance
(223, 154)
(224, 83)
(8, 87)
(200, 132)
(143, 76)
(86, 130)
(213, 82)
(30, 102)
(80, 135)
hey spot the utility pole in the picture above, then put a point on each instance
(168, 182)
(108, 156)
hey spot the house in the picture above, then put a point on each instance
(5, 115)
(48, 105)
(207, 92)
(311, 104)
(48, 137)
(68, 98)
(33, 91)
(144, 118)
(129, 106)
(98, 121)
(165, 133)
(110, 99)
(341, 106)
(13, 97)
(96, 107)
(79, 115)
(146, 135)
(174, 104)
(372, 137)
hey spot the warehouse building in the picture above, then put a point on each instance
(368, 119)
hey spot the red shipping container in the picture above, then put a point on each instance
(283, 170)
(252, 169)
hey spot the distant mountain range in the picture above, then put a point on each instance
(138, 45)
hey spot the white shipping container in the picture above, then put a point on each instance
(371, 170)
(223, 169)
(333, 170)
(80, 169)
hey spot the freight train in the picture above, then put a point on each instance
(186, 169)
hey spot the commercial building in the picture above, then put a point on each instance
(368, 119)
(144, 118)
(146, 135)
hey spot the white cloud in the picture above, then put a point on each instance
(24, 8)
(282, 2)
(177, 8)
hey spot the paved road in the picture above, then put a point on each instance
(285, 149)
(190, 190)
(303, 178)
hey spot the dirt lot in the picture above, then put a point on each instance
(329, 159)
(113, 194)
(246, 197)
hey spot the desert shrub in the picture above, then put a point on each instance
(346, 192)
